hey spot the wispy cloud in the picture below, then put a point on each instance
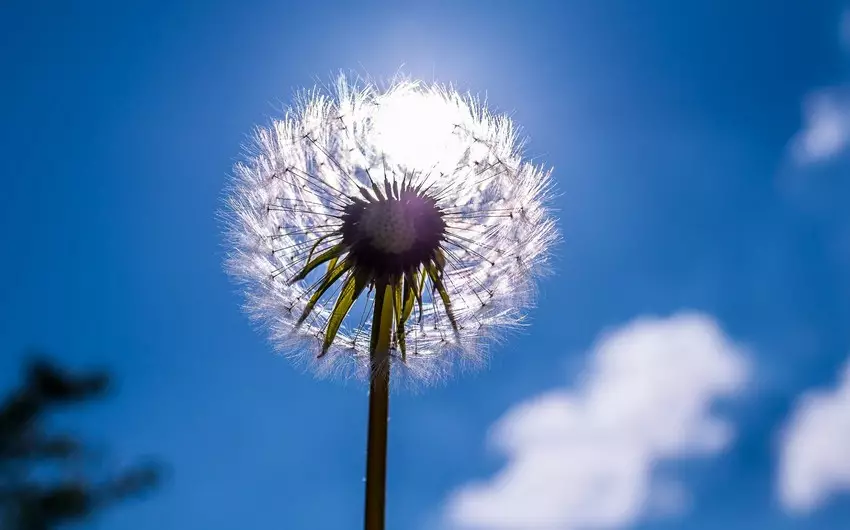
(826, 126)
(826, 117)
(585, 457)
(813, 457)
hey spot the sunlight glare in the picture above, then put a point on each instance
(416, 129)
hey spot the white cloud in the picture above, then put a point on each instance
(826, 117)
(826, 127)
(814, 461)
(585, 458)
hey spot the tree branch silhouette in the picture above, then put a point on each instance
(52, 479)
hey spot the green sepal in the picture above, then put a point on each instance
(352, 288)
(400, 320)
(382, 319)
(334, 273)
(439, 260)
(418, 286)
(436, 279)
(410, 294)
(405, 294)
(331, 253)
(316, 245)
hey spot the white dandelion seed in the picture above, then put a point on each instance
(416, 189)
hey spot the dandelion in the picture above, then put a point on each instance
(393, 232)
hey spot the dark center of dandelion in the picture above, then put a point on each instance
(392, 235)
(390, 242)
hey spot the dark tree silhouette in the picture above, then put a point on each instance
(48, 480)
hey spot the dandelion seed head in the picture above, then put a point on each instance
(413, 186)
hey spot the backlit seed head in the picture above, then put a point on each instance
(413, 187)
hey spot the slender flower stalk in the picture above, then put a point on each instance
(388, 232)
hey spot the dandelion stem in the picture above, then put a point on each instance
(379, 401)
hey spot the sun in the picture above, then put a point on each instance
(417, 130)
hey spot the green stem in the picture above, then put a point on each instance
(379, 404)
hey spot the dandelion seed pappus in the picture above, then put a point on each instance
(414, 188)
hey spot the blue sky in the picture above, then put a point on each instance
(701, 153)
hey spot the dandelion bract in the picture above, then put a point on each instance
(412, 197)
